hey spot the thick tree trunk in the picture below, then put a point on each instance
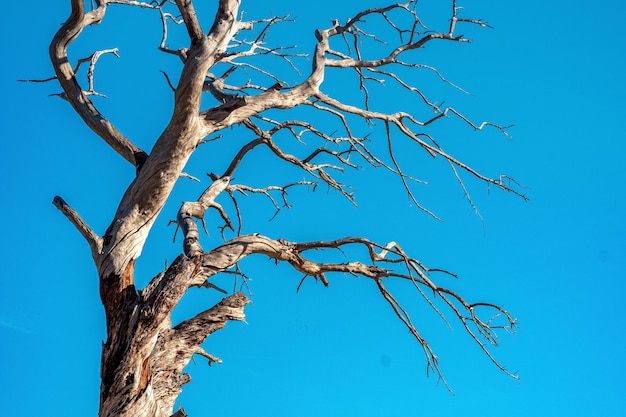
(144, 357)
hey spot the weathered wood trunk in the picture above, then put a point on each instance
(143, 357)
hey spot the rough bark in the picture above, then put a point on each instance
(144, 355)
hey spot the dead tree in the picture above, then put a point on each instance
(145, 353)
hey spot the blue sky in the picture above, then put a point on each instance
(554, 69)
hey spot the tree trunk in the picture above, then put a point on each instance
(143, 357)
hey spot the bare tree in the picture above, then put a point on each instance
(226, 81)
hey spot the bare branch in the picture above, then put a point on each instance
(243, 189)
(195, 210)
(94, 241)
(93, 59)
(316, 170)
(195, 330)
(230, 253)
(191, 20)
(165, 17)
(175, 348)
(399, 120)
(402, 176)
(72, 91)
(432, 361)
(191, 177)
(380, 267)
(242, 152)
(211, 358)
(350, 28)
(44, 80)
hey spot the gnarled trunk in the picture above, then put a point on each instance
(144, 357)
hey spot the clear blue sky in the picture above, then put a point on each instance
(554, 69)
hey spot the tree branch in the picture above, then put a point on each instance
(73, 92)
(195, 210)
(175, 348)
(380, 267)
(94, 241)
(192, 332)
(244, 189)
(191, 20)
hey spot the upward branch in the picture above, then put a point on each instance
(95, 242)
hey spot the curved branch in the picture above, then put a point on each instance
(350, 27)
(72, 90)
(379, 267)
(195, 210)
(239, 156)
(244, 189)
(399, 119)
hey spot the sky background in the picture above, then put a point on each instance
(553, 69)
